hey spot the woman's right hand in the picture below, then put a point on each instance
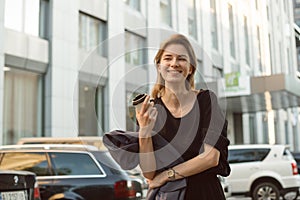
(146, 117)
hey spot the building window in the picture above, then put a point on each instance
(231, 31)
(290, 66)
(253, 129)
(199, 76)
(165, 12)
(91, 109)
(265, 138)
(286, 130)
(135, 4)
(135, 49)
(192, 18)
(23, 115)
(92, 32)
(259, 61)
(214, 27)
(247, 47)
(271, 53)
(298, 58)
(45, 19)
(22, 16)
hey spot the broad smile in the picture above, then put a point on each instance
(174, 71)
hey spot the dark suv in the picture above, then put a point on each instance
(77, 172)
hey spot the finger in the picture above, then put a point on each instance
(151, 102)
(153, 113)
(145, 104)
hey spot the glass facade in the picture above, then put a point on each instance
(23, 110)
(166, 12)
(246, 39)
(135, 4)
(259, 61)
(192, 18)
(22, 16)
(231, 31)
(92, 32)
(134, 48)
(91, 109)
(213, 26)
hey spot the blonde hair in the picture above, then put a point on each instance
(159, 86)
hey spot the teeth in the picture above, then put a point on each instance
(174, 71)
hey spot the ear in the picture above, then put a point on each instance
(158, 67)
(190, 69)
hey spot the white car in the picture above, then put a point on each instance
(263, 172)
(225, 185)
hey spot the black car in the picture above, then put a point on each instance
(77, 172)
(20, 185)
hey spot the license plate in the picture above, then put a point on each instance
(16, 195)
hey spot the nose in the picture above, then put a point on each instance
(174, 62)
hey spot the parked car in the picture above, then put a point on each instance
(297, 158)
(84, 140)
(225, 185)
(19, 185)
(263, 172)
(80, 172)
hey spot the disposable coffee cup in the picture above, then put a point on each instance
(138, 100)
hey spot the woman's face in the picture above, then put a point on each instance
(174, 64)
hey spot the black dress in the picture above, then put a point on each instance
(205, 123)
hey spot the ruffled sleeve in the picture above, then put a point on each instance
(214, 126)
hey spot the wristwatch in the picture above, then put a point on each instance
(171, 174)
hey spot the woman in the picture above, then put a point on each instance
(190, 120)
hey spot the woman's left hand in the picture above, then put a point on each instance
(158, 180)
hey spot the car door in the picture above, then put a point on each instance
(79, 176)
(244, 163)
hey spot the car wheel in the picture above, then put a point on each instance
(265, 190)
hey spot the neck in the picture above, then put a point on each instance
(175, 96)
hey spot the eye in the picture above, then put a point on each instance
(167, 58)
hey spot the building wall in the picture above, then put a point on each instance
(66, 65)
(1, 64)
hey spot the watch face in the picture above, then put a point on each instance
(171, 173)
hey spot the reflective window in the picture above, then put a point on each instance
(27, 161)
(247, 155)
(74, 164)
(135, 4)
(213, 26)
(91, 109)
(134, 47)
(23, 115)
(252, 129)
(192, 18)
(231, 31)
(259, 56)
(246, 40)
(22, 16)
(165, 12)
(92, 32)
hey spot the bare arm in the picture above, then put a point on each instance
(146, 118)
(206, 160)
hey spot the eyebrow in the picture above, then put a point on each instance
(168, 55)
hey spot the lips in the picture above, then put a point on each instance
(174, 71)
